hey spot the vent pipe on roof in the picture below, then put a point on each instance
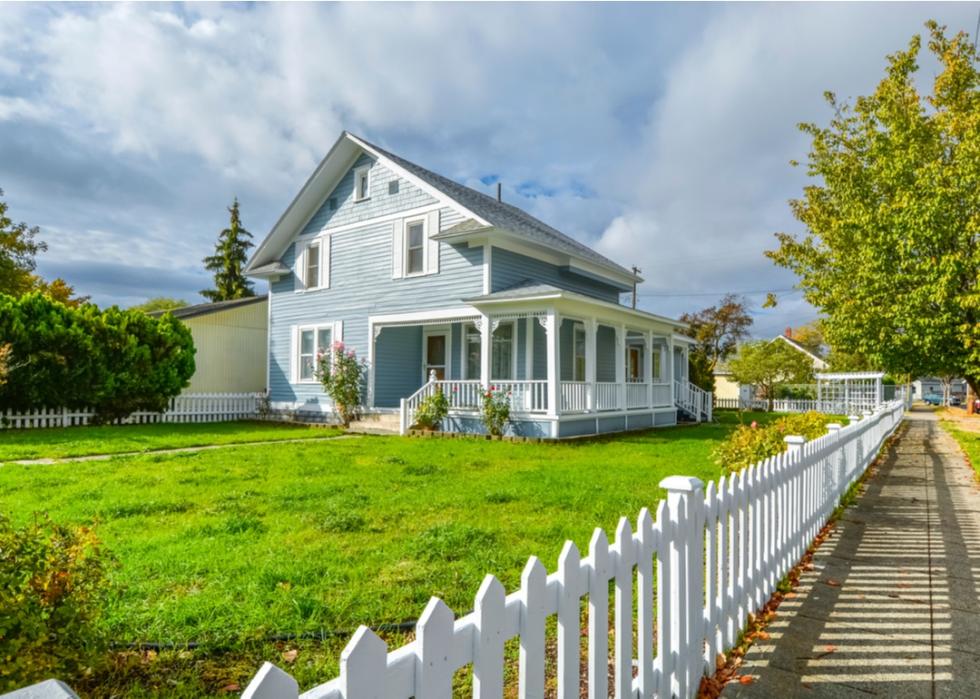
(500, 194)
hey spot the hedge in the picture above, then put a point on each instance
(114, 361)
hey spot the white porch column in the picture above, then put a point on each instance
(486, 335)
(648, 365)
(528, 348)
(621, 367)
(550, 323)
(590, 359)
(669, 370)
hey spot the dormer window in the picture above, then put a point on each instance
(415, 247)
(362, 183)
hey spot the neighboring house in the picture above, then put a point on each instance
(933, 386)
(727, 388)
(230, 342)
(438, 285)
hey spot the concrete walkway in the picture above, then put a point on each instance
(892, 605)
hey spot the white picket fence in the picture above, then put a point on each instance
(191, 407)
(718, 553)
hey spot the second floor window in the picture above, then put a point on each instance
(311, 275)
(362, 183)
(415, 247)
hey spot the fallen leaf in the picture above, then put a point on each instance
(746, 679)
(763, 635)
(290, 655)
(720, 661)
(232, 687)
(832, 582)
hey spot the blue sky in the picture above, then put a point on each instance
(658, 133)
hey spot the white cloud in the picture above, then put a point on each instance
(664, 130)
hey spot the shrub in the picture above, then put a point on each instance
(114, 361)
(432, 410)
(342, 374)
(749, 444)
(496, 410)
(52, 593)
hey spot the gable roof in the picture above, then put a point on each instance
(201, 309)
(818, 362)
(484, 212)
(501, 214)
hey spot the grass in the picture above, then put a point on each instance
(229, 548)
(969, 441)
(84, 441)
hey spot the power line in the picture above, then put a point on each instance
(718, 293)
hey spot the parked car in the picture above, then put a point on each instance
(933, 399)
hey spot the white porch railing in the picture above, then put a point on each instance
(526, 397)
(693, 400)
(574, 397)
(715, 555)
(188, 407)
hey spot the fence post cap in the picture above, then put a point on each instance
(681, 484)
(794, 439)
(834, 427)
(854, 418)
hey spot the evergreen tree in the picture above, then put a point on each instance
(231, 253)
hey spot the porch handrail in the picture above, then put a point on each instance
(694, 400)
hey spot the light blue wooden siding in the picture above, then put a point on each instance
(605, 353)
(398, 357)
(566, 350)
(509, 268)
(379, 203)
(360, 286)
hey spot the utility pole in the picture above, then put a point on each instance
(636, 271)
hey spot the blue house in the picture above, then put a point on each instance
(441, 287)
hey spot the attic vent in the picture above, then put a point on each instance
(333, 203)
(393, 187)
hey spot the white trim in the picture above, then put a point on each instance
(528, 348)
(268, 342)
(315, 328)
(487, 270)
(437, 331)
(323, 244)
(424, 220)
(799, 348)
(443, 314)
(358, 171)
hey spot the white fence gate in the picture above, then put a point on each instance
(718, 553)
(190, 407)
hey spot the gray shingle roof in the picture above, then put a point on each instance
(502, 214)
(201, 309)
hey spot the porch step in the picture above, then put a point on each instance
(376, 423)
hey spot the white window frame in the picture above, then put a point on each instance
(298, 349)
(364, 170)
(409, 222)
(319, 265)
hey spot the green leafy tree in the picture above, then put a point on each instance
(228, 261)
(719, 329)
(892, 249)
(159, 303)
(768, 364)
(19, 246)
(811, 337)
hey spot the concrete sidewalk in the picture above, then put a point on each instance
(892, 605)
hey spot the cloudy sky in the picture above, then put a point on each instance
(660, 133)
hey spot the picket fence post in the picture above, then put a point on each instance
(685, 509)
(271, 683)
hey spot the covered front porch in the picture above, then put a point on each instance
(570, 365)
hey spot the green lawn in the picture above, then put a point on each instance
(83, 441)
(225, 548)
